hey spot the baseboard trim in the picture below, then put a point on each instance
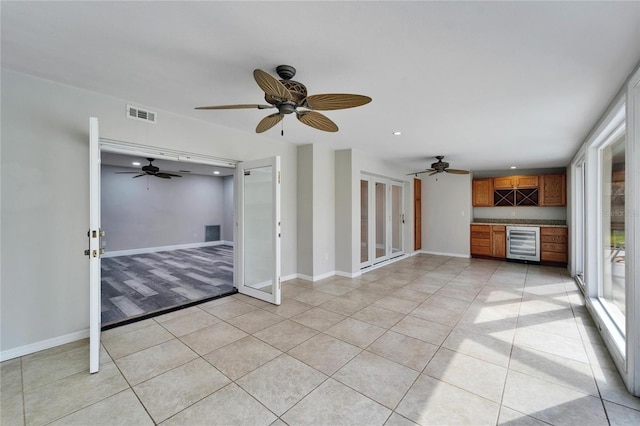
(315, 278)
(289, 277)
(437, 253)
(349, 274)
(144, 250)
(42, 345)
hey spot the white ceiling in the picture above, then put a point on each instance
(487, 84)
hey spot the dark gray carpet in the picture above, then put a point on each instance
(144, 283)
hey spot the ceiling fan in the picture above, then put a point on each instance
(151, 170)
(440, 167)
(288, 96)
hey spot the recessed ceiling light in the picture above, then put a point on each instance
(216, 172)
(397, 133)
(135, 163)
(513, 167)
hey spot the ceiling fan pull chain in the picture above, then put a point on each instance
(282, 128)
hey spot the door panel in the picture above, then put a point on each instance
(94, 246)
(397, 221)
(258, 255)
(365, 260)
(380, 221)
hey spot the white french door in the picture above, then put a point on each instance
(94, 251)
(257, 258)
(382, 220)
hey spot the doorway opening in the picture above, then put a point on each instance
(169, 234)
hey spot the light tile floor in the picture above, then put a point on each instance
(425, 340)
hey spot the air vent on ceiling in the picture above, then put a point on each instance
(141, 114)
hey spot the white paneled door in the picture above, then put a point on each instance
(257, 258)
(94, 250)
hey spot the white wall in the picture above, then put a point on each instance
(151, 212)
(520, 212)
(316, 212)
(324, 219)
(305, 210)
(45, 197)
(347, 198)
(446, 211)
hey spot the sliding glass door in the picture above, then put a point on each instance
(579, 245)
(612, 226)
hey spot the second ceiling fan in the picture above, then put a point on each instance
(290, 96)
(441, 167)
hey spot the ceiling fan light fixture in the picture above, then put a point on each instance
(288, 95)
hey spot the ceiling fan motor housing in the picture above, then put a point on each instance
(298, 92)
(440, 165)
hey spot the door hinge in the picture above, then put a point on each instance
(278, 177)
(279, 283)
(94, 234)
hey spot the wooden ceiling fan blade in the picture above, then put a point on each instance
(433, 173)
(271, 85)
(417, 173)
(268, 122)
(457, 171)
(239, 106)
(141, 174)
(169, 175)
(317, 121)
(331, 101)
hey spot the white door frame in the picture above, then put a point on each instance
(274, 295)
(94, 235)
(96, 146)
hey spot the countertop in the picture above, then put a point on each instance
(521, 222)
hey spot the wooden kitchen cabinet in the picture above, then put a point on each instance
(553, 244)
(482, 192)
(481, 240)
(515, 182)
(527, 181)
(505, 182)
(489, 240)
(498, 241)
(553, 190)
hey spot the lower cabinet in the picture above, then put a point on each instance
(499, 241)
(489, 241)
(481, 240)
(553, 244)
